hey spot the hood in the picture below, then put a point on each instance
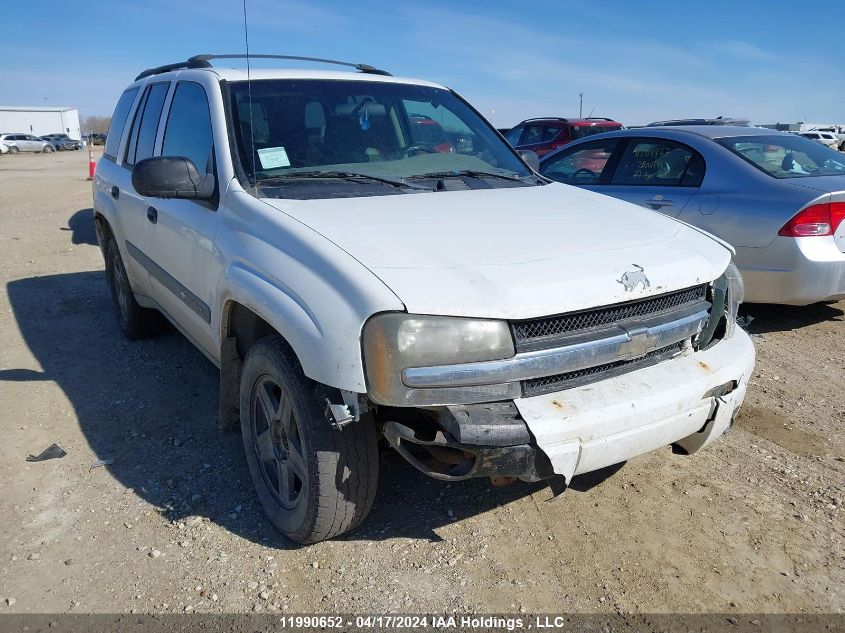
(513, 253)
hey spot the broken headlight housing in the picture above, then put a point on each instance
(394, 341)
(726, 294)
(736, 295)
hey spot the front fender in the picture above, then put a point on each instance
(325, 337)
(311, 292)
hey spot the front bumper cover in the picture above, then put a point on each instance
(687, 401)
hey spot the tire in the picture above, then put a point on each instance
(134, 321)
(313, 481)
(48, 150)
(13, 149)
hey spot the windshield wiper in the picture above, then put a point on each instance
(346, 175)
(472, 173)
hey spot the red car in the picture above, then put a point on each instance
(426, 132)
(542, 136)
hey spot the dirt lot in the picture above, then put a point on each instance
(754, 524)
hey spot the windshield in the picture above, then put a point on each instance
(336, 138)
(787, 155)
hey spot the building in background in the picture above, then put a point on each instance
(40, 120)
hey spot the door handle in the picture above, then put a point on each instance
(659, 202)
(152, 214)
(115, 192)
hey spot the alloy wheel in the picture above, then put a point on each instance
(277, 442)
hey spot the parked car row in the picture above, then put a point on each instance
(12, 143)
(25, 143)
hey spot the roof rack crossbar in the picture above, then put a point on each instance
(202, 61)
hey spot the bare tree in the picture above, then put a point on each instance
(96, 124)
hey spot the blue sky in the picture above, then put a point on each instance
(634, 61)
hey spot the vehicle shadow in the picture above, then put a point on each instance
(151, 407)
(81, 224)
(777, 318)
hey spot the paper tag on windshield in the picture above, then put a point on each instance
(273, 157)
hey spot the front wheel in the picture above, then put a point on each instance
(313, 481)
(48, 149)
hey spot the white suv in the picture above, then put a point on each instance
(825, 138)
(365, 257)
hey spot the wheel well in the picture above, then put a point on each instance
(241, 329)
(103, 231)
(245, 327)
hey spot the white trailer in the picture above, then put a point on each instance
(40, 120)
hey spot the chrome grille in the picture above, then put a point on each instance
(535, 332)
(559, 382)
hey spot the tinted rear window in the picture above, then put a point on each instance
(143, 135)
(118, 122)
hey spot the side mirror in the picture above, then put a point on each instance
(171, 177)
(531, 159)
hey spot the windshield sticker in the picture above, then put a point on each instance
(273, 157)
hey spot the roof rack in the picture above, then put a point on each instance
(202, 61)
(571, 118)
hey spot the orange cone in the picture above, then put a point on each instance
(91, 164)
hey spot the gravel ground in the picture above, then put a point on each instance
(171, 523)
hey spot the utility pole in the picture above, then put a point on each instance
(580, 104)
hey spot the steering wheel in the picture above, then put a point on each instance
(416, 148)
(582, 172)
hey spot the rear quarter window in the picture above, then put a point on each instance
(118, 122)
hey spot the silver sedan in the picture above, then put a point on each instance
(777, 198)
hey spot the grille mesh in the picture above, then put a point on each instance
(571, 379)
(530, 331)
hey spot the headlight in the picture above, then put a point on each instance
(395, 341)
(736, 295)
(726, 293)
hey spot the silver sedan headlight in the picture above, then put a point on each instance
(393, 342)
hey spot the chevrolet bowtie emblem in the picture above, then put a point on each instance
(640, 344)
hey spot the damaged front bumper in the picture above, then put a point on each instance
(687, 401)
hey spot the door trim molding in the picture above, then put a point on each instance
(170, 282)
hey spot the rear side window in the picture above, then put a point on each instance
(581, 165)
(118, 122)
(539, 133)
(142, 137)
(188, 130)
(580, 131)
(659, 162)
